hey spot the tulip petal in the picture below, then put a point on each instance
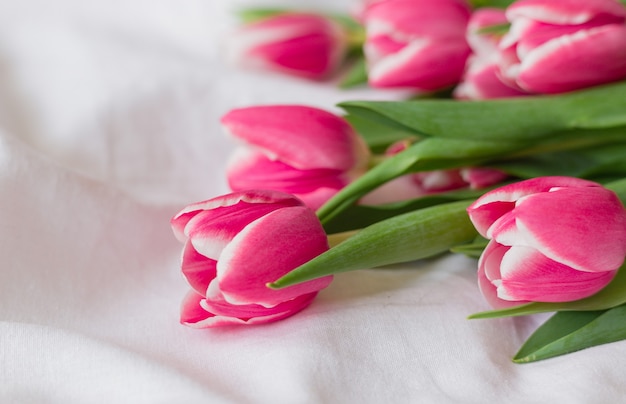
(504, 230)
(482, 82)
(489, 207)
(489, 278)
(489, 261)
(218, 306)
(599, 54)
(212, 224)
(197, 269)
(190, 311)
(300, 136)
(439, 180)
(180, 220)
(567, 11)
(310, 54)
(416, 43)
(196, 313)
(307, 45)
(579, 218)
(251, 169)
(422, 64)
(484, 215)
(528, 275)
(480, 177)
(243, 277)
(437, 18)
(514, 191)
(210, 231)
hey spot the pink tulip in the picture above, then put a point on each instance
(429, 182)
(416, 44)
(555, 46)
(481, 79)
(234, 245)
(304, 151)
(552, 239)
(447, 180)
(307, 45)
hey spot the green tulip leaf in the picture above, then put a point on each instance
(619, 187)
(497, 29)
(252, 15)
(473, 249)
(378, 137)
(360, 216)
(491, 3)
(571, 331)
(407, 237)
(588, 162)
(427, 154)
(356, 74)
(431, 153)
(512, 119)
(442, 153)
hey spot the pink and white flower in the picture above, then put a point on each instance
(304, 151)
(234, 245)
(552, 239)
(429, 182)
(417, 44)
(301, 44)
(555, 46)
(481, 79)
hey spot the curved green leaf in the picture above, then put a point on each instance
(491, 3)
(360, 216)
(567, 332)
(252, 15)
(411, 236)
(587, 162)
(378, 137)
(511, 119)
(427, 154)
(356, 74)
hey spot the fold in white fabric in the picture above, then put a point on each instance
(109, 124)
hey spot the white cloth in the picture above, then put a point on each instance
(109, 124)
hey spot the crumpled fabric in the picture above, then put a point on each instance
(109, 124)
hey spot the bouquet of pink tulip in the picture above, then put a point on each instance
(529, 176)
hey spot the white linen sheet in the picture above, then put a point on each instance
(109, 124)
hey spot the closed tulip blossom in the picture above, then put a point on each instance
(481, 79)
(234, 245)
(551, 239)
(300, 150)
(417, 44)
(556, 46)
(301, 44)
(423, 183)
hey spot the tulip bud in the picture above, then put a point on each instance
(556, 46)
(552, 239)
(481, 79)
(306, 45)
(304, 151)
(429, 182)
(234, 245)
(416, 44)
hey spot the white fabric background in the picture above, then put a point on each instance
(109, 124)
